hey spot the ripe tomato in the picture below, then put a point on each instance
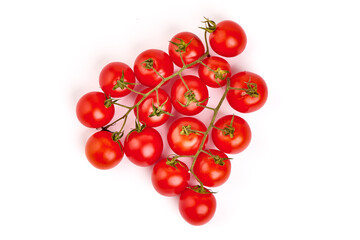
(143, 148)
(195, 207)
(151, 113)
(115, 75)
(102, 152)
(228, 39)
(212, 169)
(91, 111)
(170, 178)
(236, 134)
(161, 62)
(252, 93)
(185, 99)
(190, 46)
(181, 136)
(218, 78)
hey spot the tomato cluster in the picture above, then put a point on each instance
(187, 136)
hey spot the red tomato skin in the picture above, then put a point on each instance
(208, 77)
(193, 51)
(179, 89)
(197, 208)
(109, 76)
(182, 144)
(228, 40)
(210, 173)
(145, 108)
(241, 139)
(242, 102)
(168, 180)
(102, 152)
(144, 148)
(91, 111)
(162, 64)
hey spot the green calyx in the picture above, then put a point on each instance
(200, 189)
(158, 110)
(148, 64)
(220, 74)
(190, 97)
(251, 89)
(186, 130)
(210, 25)
(181, 45)
(120, 83)
(229, 129)
(116, 136)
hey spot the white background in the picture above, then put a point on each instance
(299, 178)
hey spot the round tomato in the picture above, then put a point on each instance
(189, 45)
(102, 152)
(228, 39)
(159, 60)
(212, 168)
(250, 94)
(113, 78)
(218, 78)
(170, 177)
(235, 135)
(186, 100)
(91, 111)
(154, 111)
(197, 207)
(143, 148)
(184, 137)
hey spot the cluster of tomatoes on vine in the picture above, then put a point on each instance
(187, 136)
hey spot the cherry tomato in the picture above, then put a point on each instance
(190, 46)
(152, 113)
(170, 178)
(212, 168)
(228, 39)
(236, 134)
(251, 95)
(115, 75)
(218, 78)
(182, 136)
(195, 207)
(143, 148)
(159, 60)
(91, 111)
(186, 100)
(102, 152)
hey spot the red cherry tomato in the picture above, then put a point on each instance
(181, 136)
(102, 152)
(147, 114)
(161, 62)
(228, 39)
(197, 208)
(252, 93)
(91, 111)
(111, 77)
(170, 178)
(143, 148)
(218, 78)
(235, 137)
(212, 169)
(190, 46)
(196, 92)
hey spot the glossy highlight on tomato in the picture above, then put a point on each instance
(170, 178)
(143, 148)
(191, 48)
(162, 63)
(182, 140)
(242, 101)
(186, 100)
(102, 152)
(235, 138)
(228, 40)
(91, 111)
(110, 76)
(212, 168)
(197, 208)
